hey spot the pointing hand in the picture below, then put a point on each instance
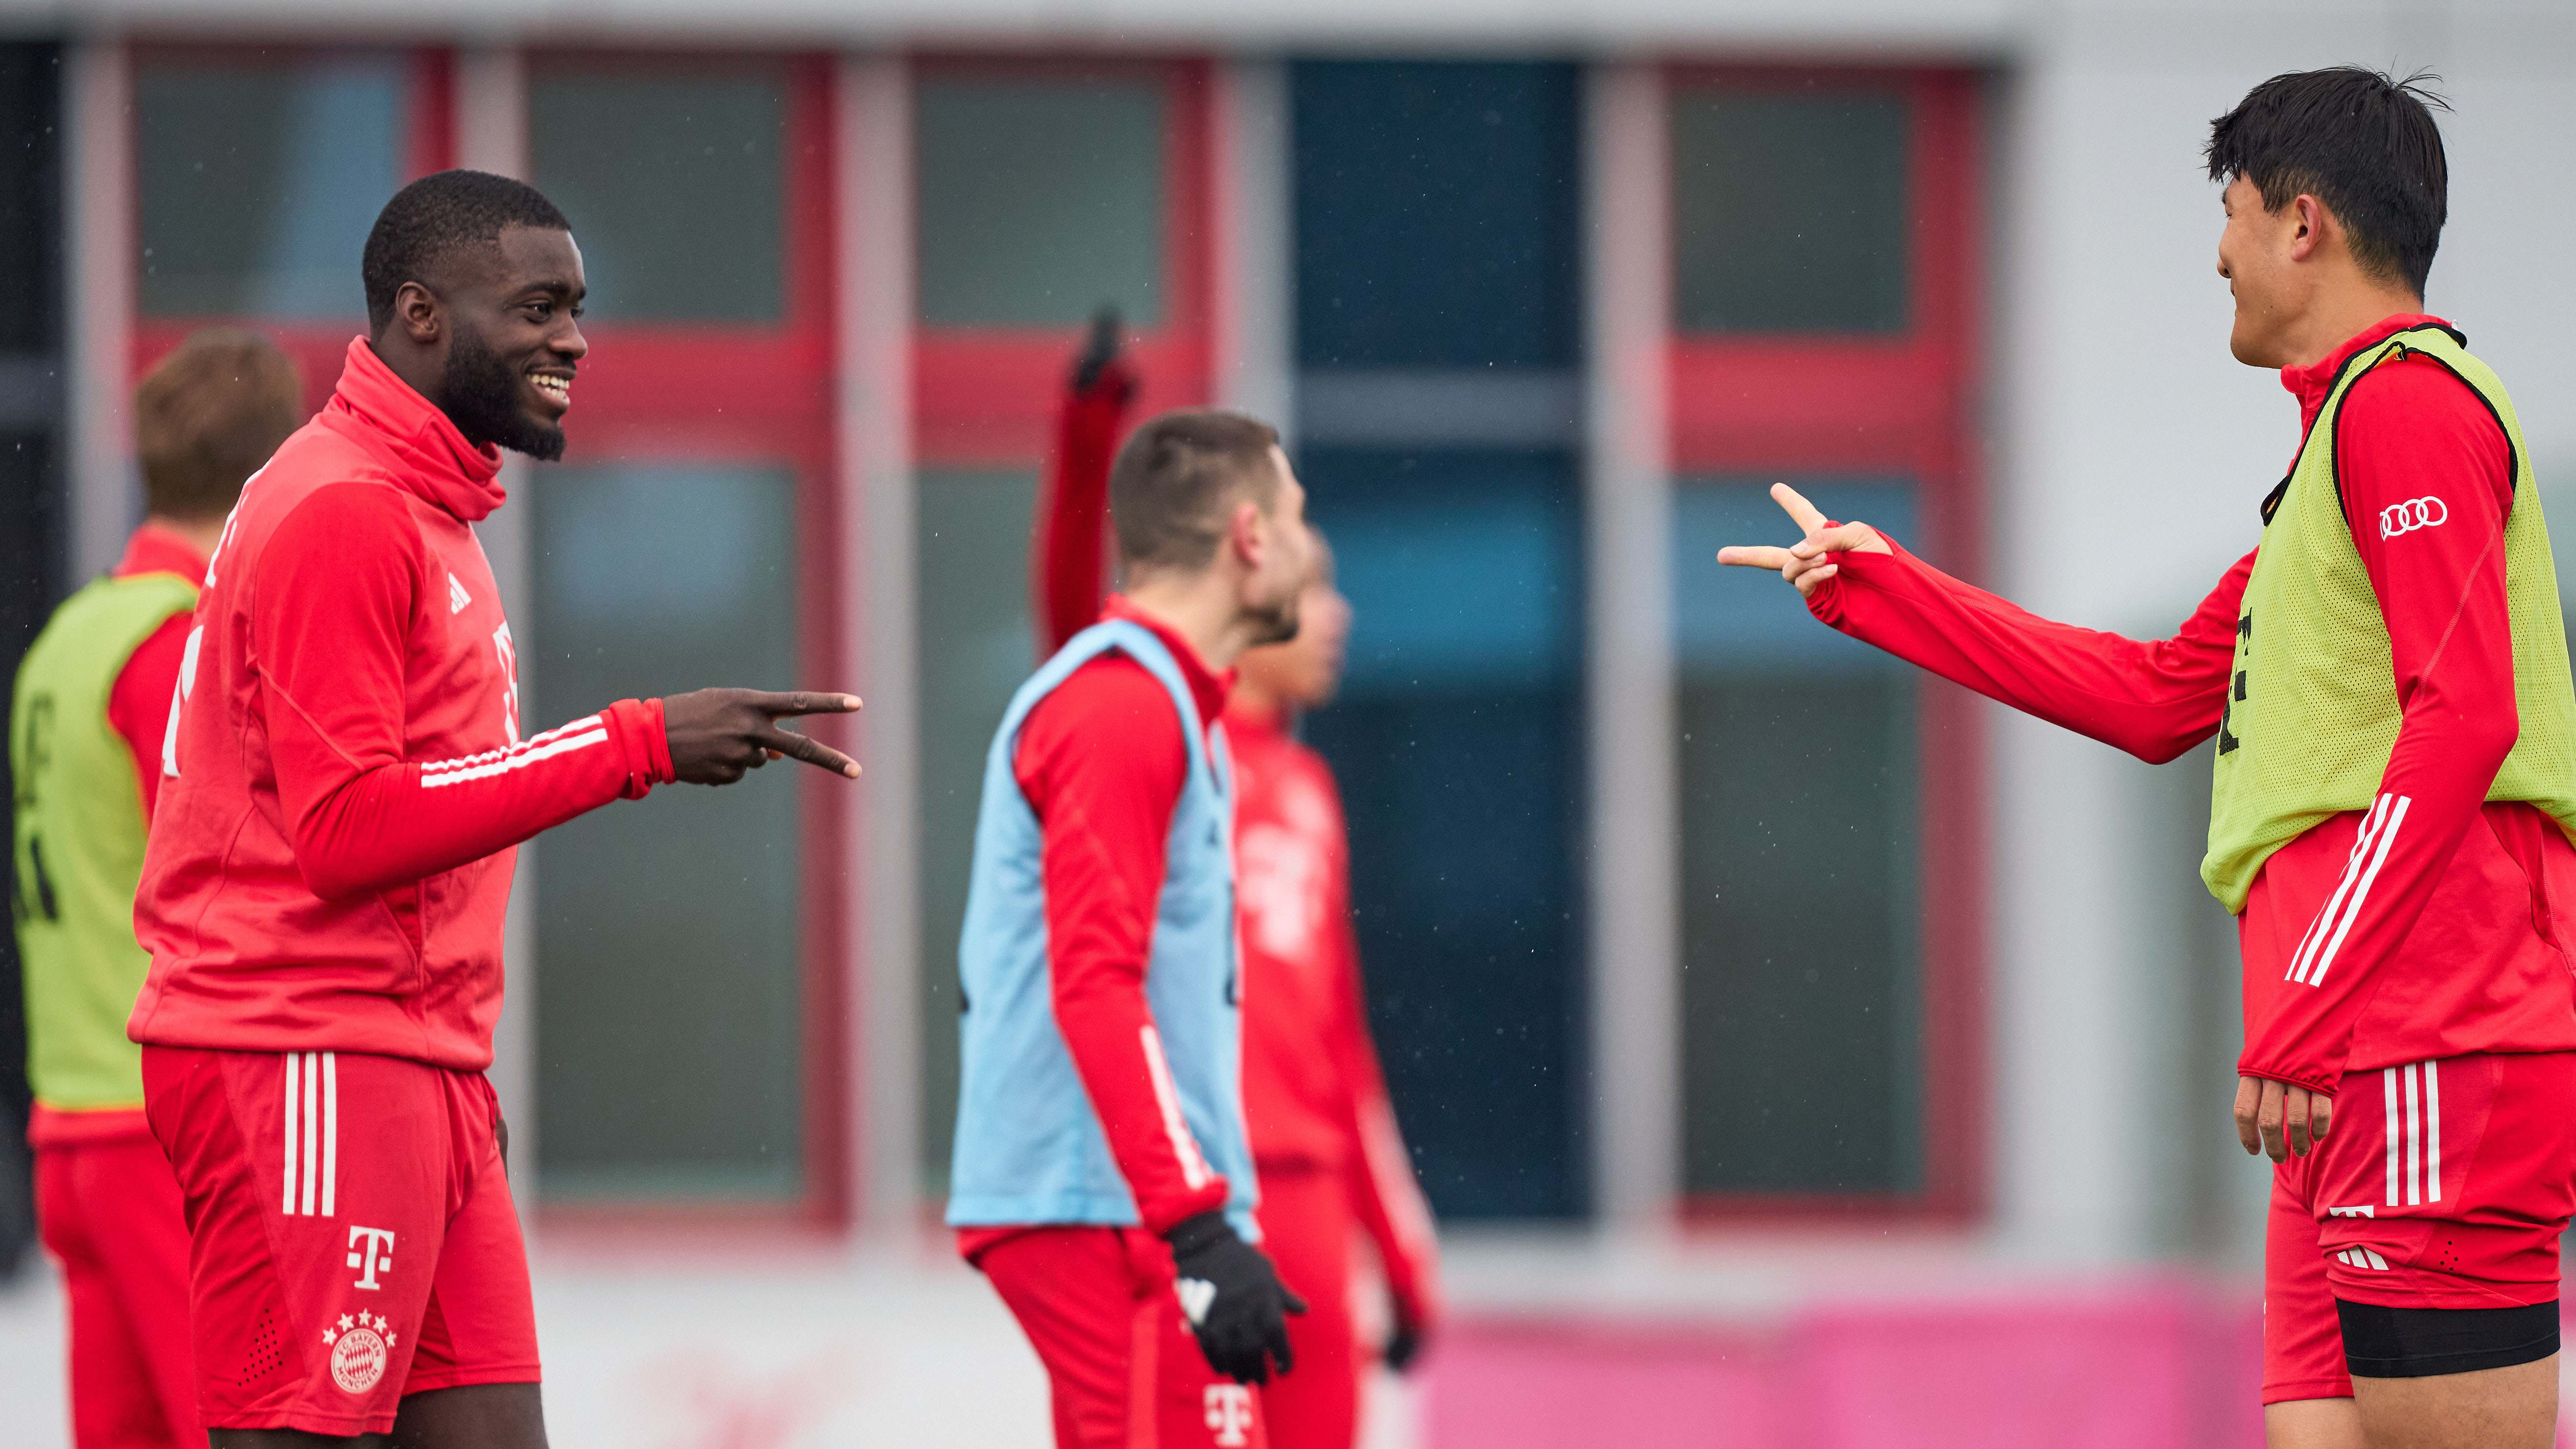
(717, 734)
(1808, 562)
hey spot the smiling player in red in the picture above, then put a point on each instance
(2387, 678)
(323, 893)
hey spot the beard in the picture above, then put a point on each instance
(1277, 624)
(482, 399)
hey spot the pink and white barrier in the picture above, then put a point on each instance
(2150, 1366)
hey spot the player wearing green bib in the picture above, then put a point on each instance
(88, 717)
(2386, 678)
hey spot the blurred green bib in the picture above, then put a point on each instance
(77, 842)
(2312, 711)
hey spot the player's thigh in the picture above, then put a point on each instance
(318, 1187)
(2499, 1408)
(1306, 1228)
(2303, 1358)
(480, 1326)
(1195, 1407)
(1073, 1294)
(129, 1195)
(473, 1416)
(2312, 1424)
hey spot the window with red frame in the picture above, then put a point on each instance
(686, 943)
(1822, 334)
(257, 173)
(1042, 193)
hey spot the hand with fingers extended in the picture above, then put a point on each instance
(717, 734)
(2281, 1120)
(1233, 1299)
(1810, 561)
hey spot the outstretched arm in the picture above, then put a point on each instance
(331, 627)
(2152, 698)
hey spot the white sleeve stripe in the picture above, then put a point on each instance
(2317, 929)
(518, 760)
(1194, 1168)
(2361, 892)
(586, 722)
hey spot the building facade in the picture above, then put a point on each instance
(1683, 917)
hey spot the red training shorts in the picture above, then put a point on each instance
(1306, 1228)
(351, 1234)
(1123, 1369)
(2441, 1184)
(109, 1210)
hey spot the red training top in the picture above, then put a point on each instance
(330, 858)
(1314, 1095)
(1102, 763)
(2478, 911)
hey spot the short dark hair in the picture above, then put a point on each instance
(1177, 479)
(2356, 139)
(207, 417)
(437, 214)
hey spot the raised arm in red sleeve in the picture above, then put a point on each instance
(342, 581)
(1069, 552)
(2154, 699)
(2410, 430)
(1102, 762)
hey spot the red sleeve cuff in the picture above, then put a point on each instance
(2321, 1082)
(645, 740)
(1161, 1217)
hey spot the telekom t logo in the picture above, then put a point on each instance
(378, 1253)
(1229, 1413)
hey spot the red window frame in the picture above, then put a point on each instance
(985, 397)
(1900, 403)
(731, 392)
(429, 144)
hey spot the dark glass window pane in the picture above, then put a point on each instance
(1436, 214)
(670, 954)
(1800, 804)
(257, 185)
(1789, 212)
(976, 646)
(673, 186)
(1456, 740)
(1040, 201)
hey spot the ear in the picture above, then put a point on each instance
(1246, 534)
(2312, 219)
(419, 314)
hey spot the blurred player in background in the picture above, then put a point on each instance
(1101, 1180)
(91, 708)
(1323, 1132)
(330, 861)
(1324, 1138)
(2387, 676)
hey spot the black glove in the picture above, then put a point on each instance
(1100, 347)
(1233, 1298)
(1401, 1345)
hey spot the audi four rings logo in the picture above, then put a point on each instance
(2411, 515)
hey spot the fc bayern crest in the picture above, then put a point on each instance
(360, 1349)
